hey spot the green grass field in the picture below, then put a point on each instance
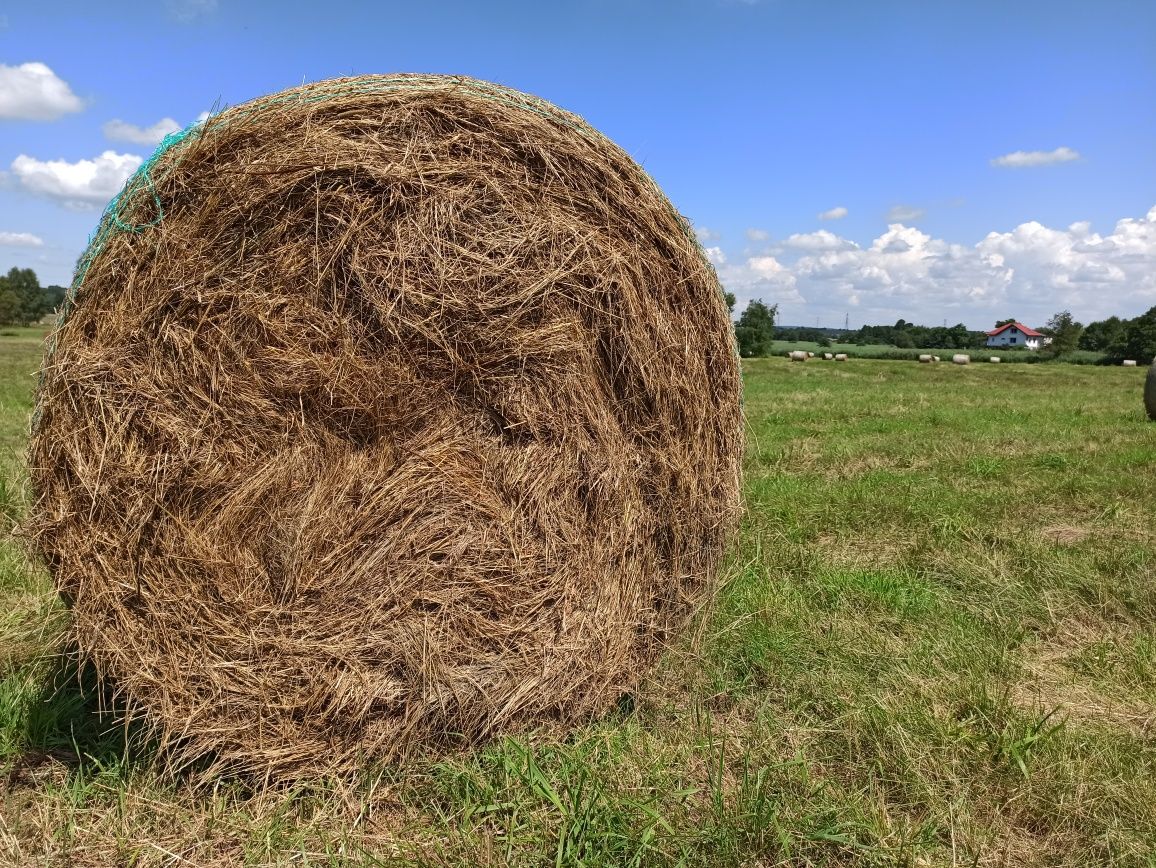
(936, 646)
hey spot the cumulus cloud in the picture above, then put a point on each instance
(117, 130)
(904, 214)
(756, 235)
(1032, 269)
(85, 184)
(836, 213)
(821, 240)
(706, 234)
(715, 256)
(33, 92)
(187, 11)
(1030, 159)
(20, 239)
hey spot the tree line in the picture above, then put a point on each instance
(23, 300)
(1115, 338)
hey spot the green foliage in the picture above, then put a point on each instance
(905, 335)
(23, 300)
(755, 331)
(1138, 339)
(1064, 333)
(730, 300)
(1003, 322)
(1100, 336)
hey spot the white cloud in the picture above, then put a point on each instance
(705, 234)
(187, 11)
(904, 214)
(119, 131)
(821, 240)
(754, 234)
(1032, 270)
(836, 213)
(202, 117)
(20, 239)
(715, 256)
(84, 184)
(1030, 159)
(33, 92)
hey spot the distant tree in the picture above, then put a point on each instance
(53, 297)
(903, 340)
(9, 303)
(23, 285)
(824, 341)
(1065, 334)
(755, 330)
(1004, 322)
(1138, 339)
(958, 337)
(730, 298)
(1101, 335)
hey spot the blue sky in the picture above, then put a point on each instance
(972, 160)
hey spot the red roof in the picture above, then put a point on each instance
(1031, 333)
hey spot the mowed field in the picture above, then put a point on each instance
(935, 645)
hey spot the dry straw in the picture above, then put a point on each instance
(391, 413)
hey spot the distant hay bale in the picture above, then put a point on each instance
(1150, 391)
(840, 357)
(925, 359)
(828, 356)
(797, 356)
(961, 359)
(994, 360)
(810, 355)
(935, 358)
(1129, 363)
(408, 413)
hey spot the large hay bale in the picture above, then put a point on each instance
(406, 414)
(840, 357)
(961, 359)
(994, 360)
(1150, 391)
(797, 356)
(1129, 363)
(925, 358)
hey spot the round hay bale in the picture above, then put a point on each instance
(925, 359)
(1150, 391)
(840, 357)
(1129, 363)
(828, 356)
(797, 356)
(961, 359)
(406, 414)
(935, 358)
(810, 355)
(994, 360)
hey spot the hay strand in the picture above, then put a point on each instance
(404, 411)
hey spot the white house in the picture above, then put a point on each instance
(1015, 334)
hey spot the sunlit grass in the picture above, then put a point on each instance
(935, 646)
